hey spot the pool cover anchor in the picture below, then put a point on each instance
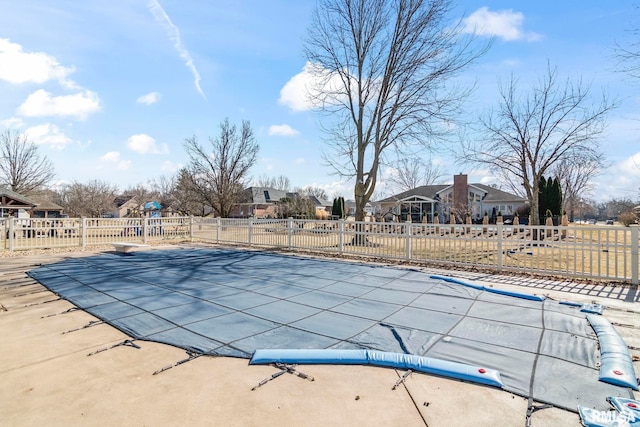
(129, 343)
(284, 369)
(40, 303)
(534, 408)
(192, 355)
(88, 325)
(402, 379)
(72, 309)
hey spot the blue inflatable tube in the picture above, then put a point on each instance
(492, 290)
(427, 365)
(616, 366)
(457, 282)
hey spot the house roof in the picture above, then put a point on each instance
(430, 191)
(124, 199)
(320, 202)
(492, 195)
(45, 204)
(22, 200)
(496, 195)
(264, 195)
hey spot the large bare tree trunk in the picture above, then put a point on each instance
(381, 69)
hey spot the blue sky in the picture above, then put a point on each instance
(109, 90)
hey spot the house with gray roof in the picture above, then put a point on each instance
(262, 202)
(14, 204)
(457, 198)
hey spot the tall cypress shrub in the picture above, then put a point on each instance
(556, 197)
(335, 212)
(543, 198)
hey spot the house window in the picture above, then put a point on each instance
(266, 196)
(506, 209)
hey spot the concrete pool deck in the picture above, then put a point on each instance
(46, 377)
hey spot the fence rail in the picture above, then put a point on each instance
(594, 252)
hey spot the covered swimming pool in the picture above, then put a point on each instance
(229, 302)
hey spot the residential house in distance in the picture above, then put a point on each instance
(457, 198)
(259, 202)
(350, 207)
(45, 208)
(125, 206)
(262, 202)
(14, 204)
(321, 205)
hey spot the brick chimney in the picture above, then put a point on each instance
(460, 196)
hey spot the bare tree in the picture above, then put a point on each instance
(92, 200)
(219, 176)
(526, 135)
(576, 177)
(297, 207)
(164, 188)
(310, 190)
(413, 172)
(628, 54)
(280, 182)
(382, 67)
(187, 201)
(22, 169)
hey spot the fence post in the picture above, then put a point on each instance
(11, 231)
(634, 254)
(340, 236)
(499, 230)
(145, 229)
(407, 243)
(218, 225)
(83, 232)
(250, 231)
(191, 228)
(289, 232)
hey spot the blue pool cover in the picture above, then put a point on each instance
(233, 302)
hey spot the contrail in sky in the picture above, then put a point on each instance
(174, 34)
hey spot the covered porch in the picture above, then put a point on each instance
(414, 207)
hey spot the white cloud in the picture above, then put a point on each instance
(343, 188)
(174, 34)
(505, 24)
(144, 144)
(48, 134)
(169, 167)
(12, 123)
(299, 161)
(111, 156)
(282, 130)
(298, 92)
(123, 165)
(17, 66)
(42, 104)
(148, 99)
(113, 159)
(630, 165)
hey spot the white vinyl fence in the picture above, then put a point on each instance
(583, 251)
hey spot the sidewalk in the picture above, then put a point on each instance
(48, 379)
